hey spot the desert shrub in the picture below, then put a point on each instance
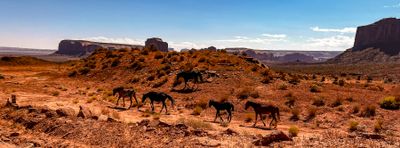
(293, 131)
(349, 99)
(202, 59)
(283, 87)
(336, 103)
(323, 79)
(266, 80)
(75, 101)
(314, 77)
(115, 63)
(315, 89)
(136, 65)
(160, 83)
(197, 111)
(84, 70)
(156, 116)
(319, 101)
(295, 114)
(254, 68)
(144, 52)
(158, 55)
(194, 123)
(70, 74)
(295, 80)
(369, 79)
(151, 78)
(134, 80)
(248, 117)
(312, 113)
(91, 99)
(390, 103)
(368, 111)
(353, 126)
(378, 125)
(246, 93)
(290, 100)
(356, 109)
(55, 93)
(341, 82)
(202, 103)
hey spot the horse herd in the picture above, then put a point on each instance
(258, 108)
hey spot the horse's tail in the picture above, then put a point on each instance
(277, 113)
(171, 99)
(233, 107)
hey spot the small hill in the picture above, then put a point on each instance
(23, 61)
(155, 68)
(377, 42)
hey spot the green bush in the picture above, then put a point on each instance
(353, 126)
(293, 131)
(390, 103)
(315, 89)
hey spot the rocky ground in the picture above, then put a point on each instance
(49, 105)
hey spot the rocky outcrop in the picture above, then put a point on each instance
(378, 42)
(85, 48)
(156, 43)
(383, 35)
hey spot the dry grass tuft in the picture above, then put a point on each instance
(194, 123)
(353, 126)
(368, 111)
(293, 131)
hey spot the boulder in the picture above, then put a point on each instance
(84, 112)
(275, 136)
(157, 44)
(65, 112)
(85, 48)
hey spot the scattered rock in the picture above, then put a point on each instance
(275, 136)
(200, 132)
(208, 142)
(65, 112)
(84, 112)
(14, 134)
(159, 123)
(144, 122)
(230, 131)
(372, 136)
(181, 126)
(110, 119)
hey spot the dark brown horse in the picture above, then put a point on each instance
(222, 106)
(261, 109)
(195, 76)
(122, 93)
(158, 97)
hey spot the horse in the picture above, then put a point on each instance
(122, 93)
(187, 76)
(222, 106)
(158, 97)
(260, 109)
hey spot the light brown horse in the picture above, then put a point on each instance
(122, 93)
(261, 109)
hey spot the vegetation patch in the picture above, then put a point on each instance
(390, 103)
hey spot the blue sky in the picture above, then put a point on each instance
(260, 24)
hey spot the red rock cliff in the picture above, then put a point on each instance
(83, 48)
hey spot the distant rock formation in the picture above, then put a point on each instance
(85, 48)
(156, 43)
(377, 42)
(269, 57)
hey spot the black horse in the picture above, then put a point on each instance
(195, 76)
(122, 93)
(260, 109)
(158, 97)
(222, 106)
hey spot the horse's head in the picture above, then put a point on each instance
(210, 103)
(116, 90)
(247, 105)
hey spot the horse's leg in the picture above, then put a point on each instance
(130, 98)
(230, 115)
(255, 122)
(152, 106)
(118, 99)
(220, 117)
(123, 100)
(163, 104)
(216, 115)
(262, 119)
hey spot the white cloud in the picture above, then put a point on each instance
(115, 40)
(343, 30)
(392, 6)
(184, 45)
(330, 43)
(274, 35)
